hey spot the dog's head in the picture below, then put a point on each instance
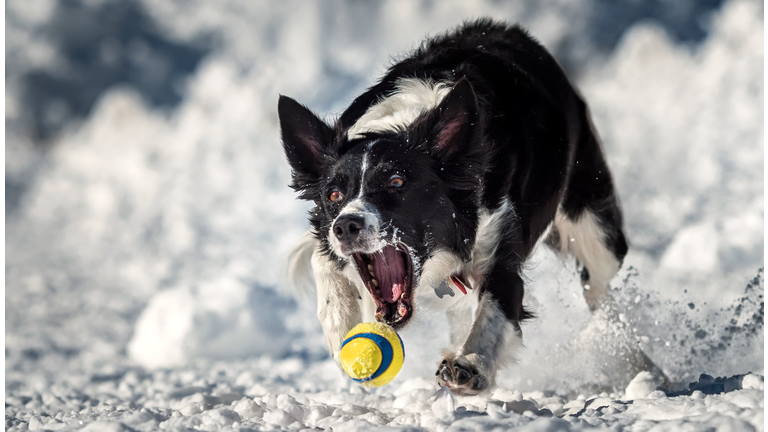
(386, 201)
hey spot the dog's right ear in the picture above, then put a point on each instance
(305, 138)
(450, 130)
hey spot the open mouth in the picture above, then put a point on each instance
(388, 274)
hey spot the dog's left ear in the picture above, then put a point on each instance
(305, 139)
(452, 127)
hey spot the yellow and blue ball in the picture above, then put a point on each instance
(372, 354)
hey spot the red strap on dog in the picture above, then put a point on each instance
(460, 284)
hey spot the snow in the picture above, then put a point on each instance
(216, 319)
(145, 258)
(152, 402)
(642, 385)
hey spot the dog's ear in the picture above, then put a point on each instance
(452, 134)
(452, 127)
(305, 139)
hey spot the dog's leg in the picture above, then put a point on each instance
(588, 225)
(589, 222)
(494, 336)
(585, 238)
(338, 309)
(492, 341)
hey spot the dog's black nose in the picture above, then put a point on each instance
(347, 227)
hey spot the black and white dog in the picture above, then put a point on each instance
(443, 177)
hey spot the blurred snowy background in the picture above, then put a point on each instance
(148, 217)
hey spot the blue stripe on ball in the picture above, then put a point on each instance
(386, 352)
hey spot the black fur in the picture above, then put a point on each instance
(512, 127)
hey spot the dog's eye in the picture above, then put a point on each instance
(335, 195)
(396, 181)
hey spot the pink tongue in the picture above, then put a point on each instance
(390, 272)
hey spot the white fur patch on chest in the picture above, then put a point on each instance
(411, 98)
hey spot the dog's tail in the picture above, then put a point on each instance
(300, 281)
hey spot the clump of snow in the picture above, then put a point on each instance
(642, 385)
(752, 381)
(217, 319)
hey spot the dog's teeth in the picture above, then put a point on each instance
(370, 268)
(375, 283)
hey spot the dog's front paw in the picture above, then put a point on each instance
(464, 375)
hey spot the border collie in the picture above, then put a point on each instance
(439, 181)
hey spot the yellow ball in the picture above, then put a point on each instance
(372, 354)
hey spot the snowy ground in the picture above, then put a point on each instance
(145, 238)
